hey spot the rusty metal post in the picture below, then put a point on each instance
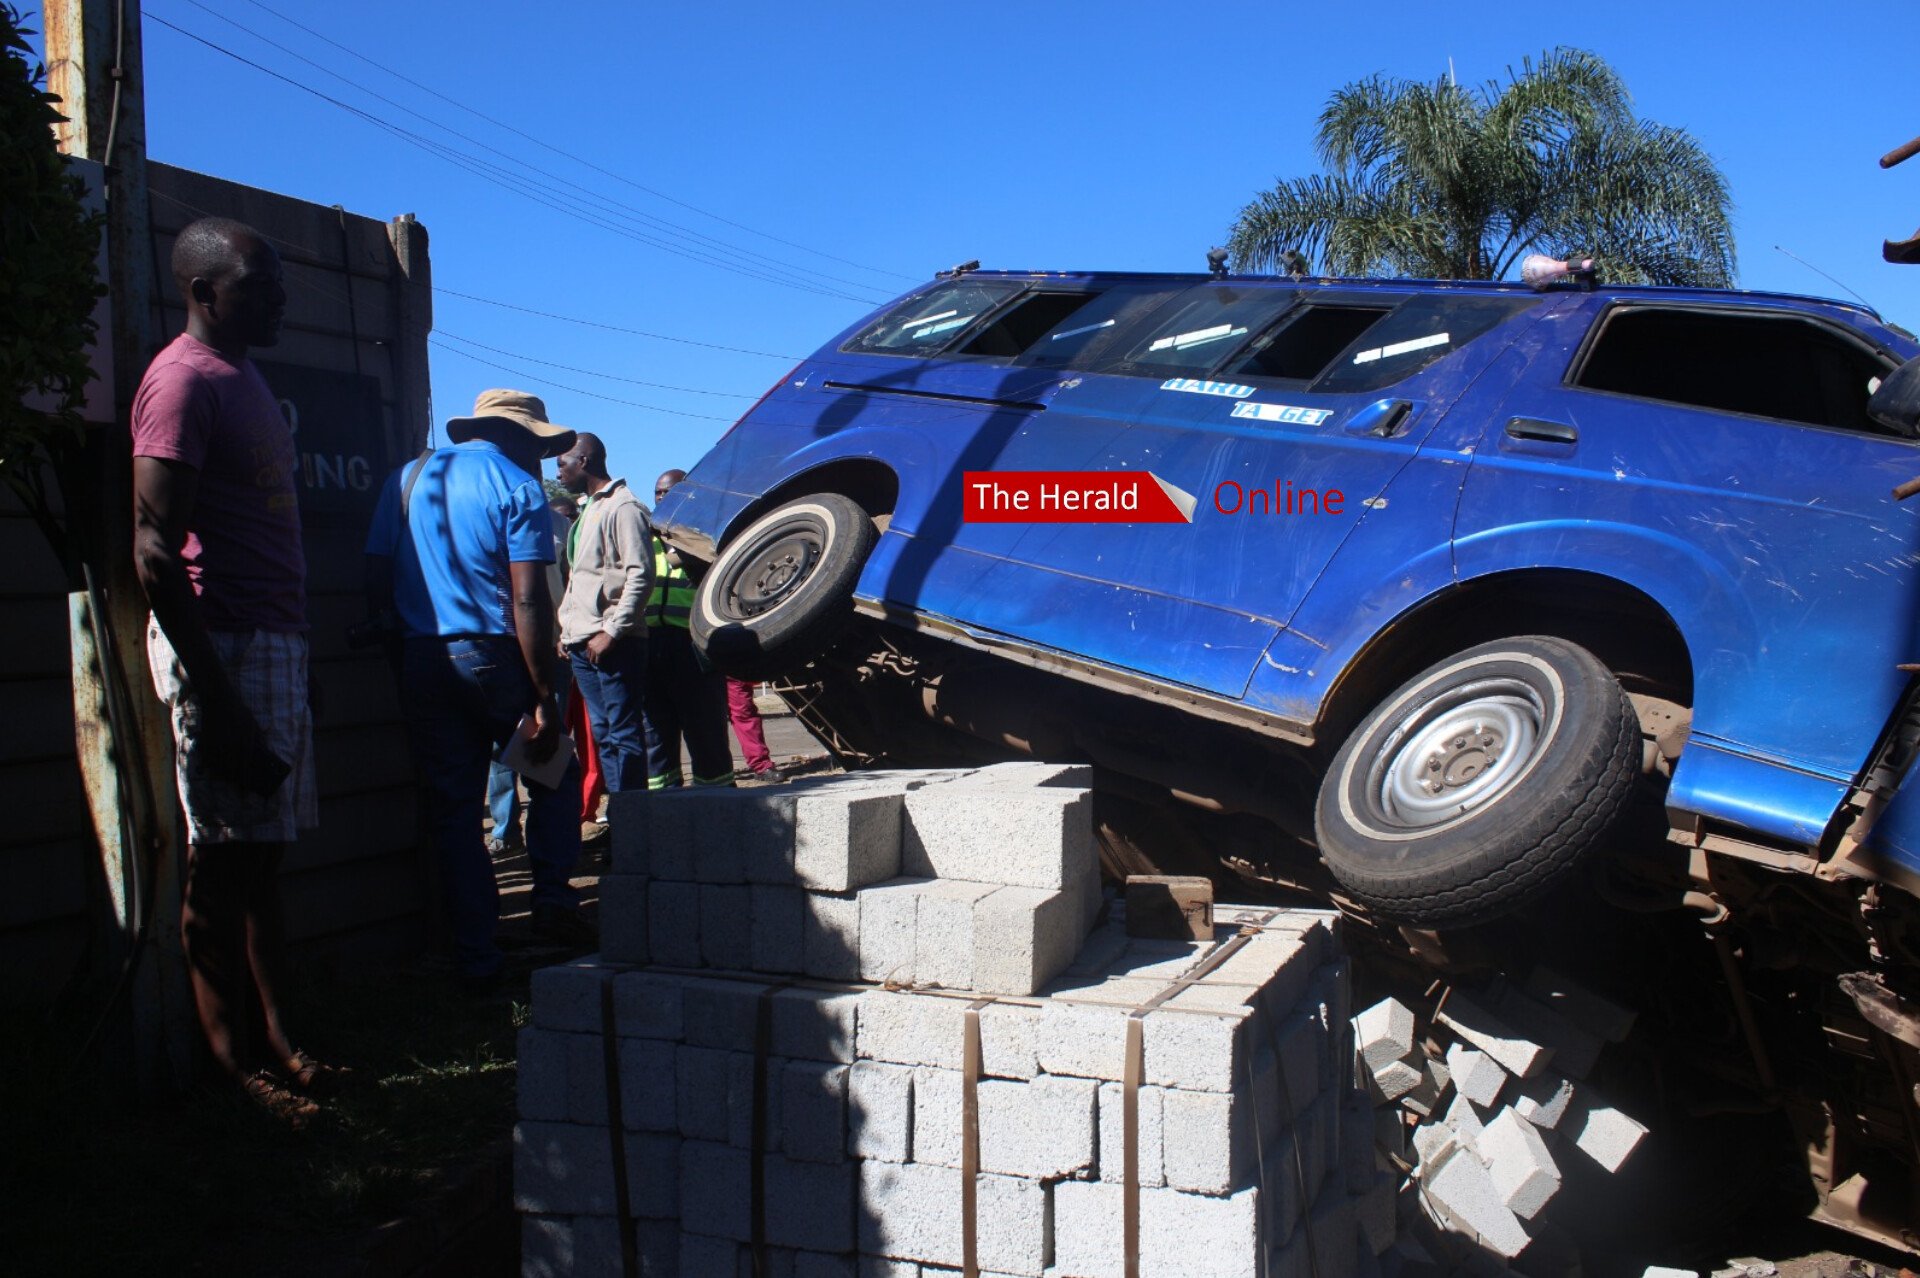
(94, 64)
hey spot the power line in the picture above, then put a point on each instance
(590, 372)
(618, 177)
(615, 207)
(547, 381)
(507, 181)
(612, 328)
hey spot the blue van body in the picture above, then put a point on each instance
(1590, 437)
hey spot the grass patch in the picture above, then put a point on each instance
(202, 1184)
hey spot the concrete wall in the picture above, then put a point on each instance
(351, 370)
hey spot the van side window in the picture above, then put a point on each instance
(1025, 322)
(930, 322)
(1306, 342)
(1775, 365)
(1421, 331)
(1206, 326)
(1086, 337)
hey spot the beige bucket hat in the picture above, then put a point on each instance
(517, 408)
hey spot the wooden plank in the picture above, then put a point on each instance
(42, 882)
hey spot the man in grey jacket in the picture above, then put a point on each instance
(603, 625)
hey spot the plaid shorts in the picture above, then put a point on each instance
(269, 672)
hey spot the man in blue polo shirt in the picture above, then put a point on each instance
(458, 554)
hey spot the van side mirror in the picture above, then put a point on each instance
(1896, 404)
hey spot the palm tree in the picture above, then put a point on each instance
(1437, 181)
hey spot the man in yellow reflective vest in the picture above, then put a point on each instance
(684, 700)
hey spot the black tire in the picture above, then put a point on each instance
(1479, 783)
(780, 592)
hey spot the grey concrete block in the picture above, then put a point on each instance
(541, 1075)
(1434, 1144)
(623, 918)
(1375, 1207)
(1022, 938)
(1515, 1053)
(715, 1184)
(880, 1111)
(629, 820)
(1101, 951)
(936, 1117)
(587, 1079)
(713, 1088)
(1087, 1240)
(913, 1213)
(720, 1257)
(1299, 1039)
(889, 914)
(1152, 1144)
(1392, 1081)
(567, 996)
(1517, 1158)
(830, 936)
(1390, 1132)
(1037, 837)
(698, 834)
(673, 923)
(882, 1267)
(1476, 1075)
(1043, 1129)
(646, 1005)
(1357, 1158)
(1384, 1034)
(912, 1029)
(778, 917)
(720, 1012)
(815, 1025)
(810, 1205)
(1463, 1120)
(726, 926)
(1009, 1040)
(649, 1085)
(1201, 1053)
(1574, 1049)
(943, 942)
(653, 1175)
(813, 1112)
(1335, 1232)
(1208, 1140)
(1544, 1100)
(569, 1247)
(819, 1264)
(1595, 1013)
(1032, 772)
(842, 842)
(1601, 1132)
(562, 1169)
(1464, 1192)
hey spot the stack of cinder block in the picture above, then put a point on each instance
(1486, 1101)
(823, 1116)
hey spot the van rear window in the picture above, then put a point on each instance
(932, 321)
(1422, 330)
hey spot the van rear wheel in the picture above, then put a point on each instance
(1479, 783)
(780, 592)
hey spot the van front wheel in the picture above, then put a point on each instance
(779, 593)
(1479, 783)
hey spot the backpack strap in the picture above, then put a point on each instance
(406, 490)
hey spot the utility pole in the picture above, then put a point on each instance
(94, 65)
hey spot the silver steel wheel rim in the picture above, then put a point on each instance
(1459, 751)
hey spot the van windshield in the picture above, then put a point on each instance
(925, 324)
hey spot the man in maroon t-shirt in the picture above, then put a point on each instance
(217, 547)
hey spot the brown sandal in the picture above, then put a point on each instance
(272, 1098)
(311, 1078)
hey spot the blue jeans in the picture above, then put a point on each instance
(462, 699)
(614, 691)
(502, 799)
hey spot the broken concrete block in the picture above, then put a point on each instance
(1394, 1080)
(1519, 1162)
(567, 996)
(913, 1213)
(673, 923)
(1022, 938)
(813, 1112)
(1384, 1034)
(1544, 1100)
(726, 926)
(1020, 836)
(778, 916)
(1464, 1192)
(830, 936)
(1113, 1148)
(645, 1004)
(1476, 1075)
(1598, 1015)
(1435, 1082)
(815, 1025)
(1087, 1243)
(1517, 1055)
(1574, 1049)
(623, 918)
(1433, 1145)
(880, 1111)
(1601, 1132)
(1463, 1120)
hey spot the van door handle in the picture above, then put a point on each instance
(1547, 432)
(1381, 418)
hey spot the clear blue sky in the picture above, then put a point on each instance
(905, 138)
